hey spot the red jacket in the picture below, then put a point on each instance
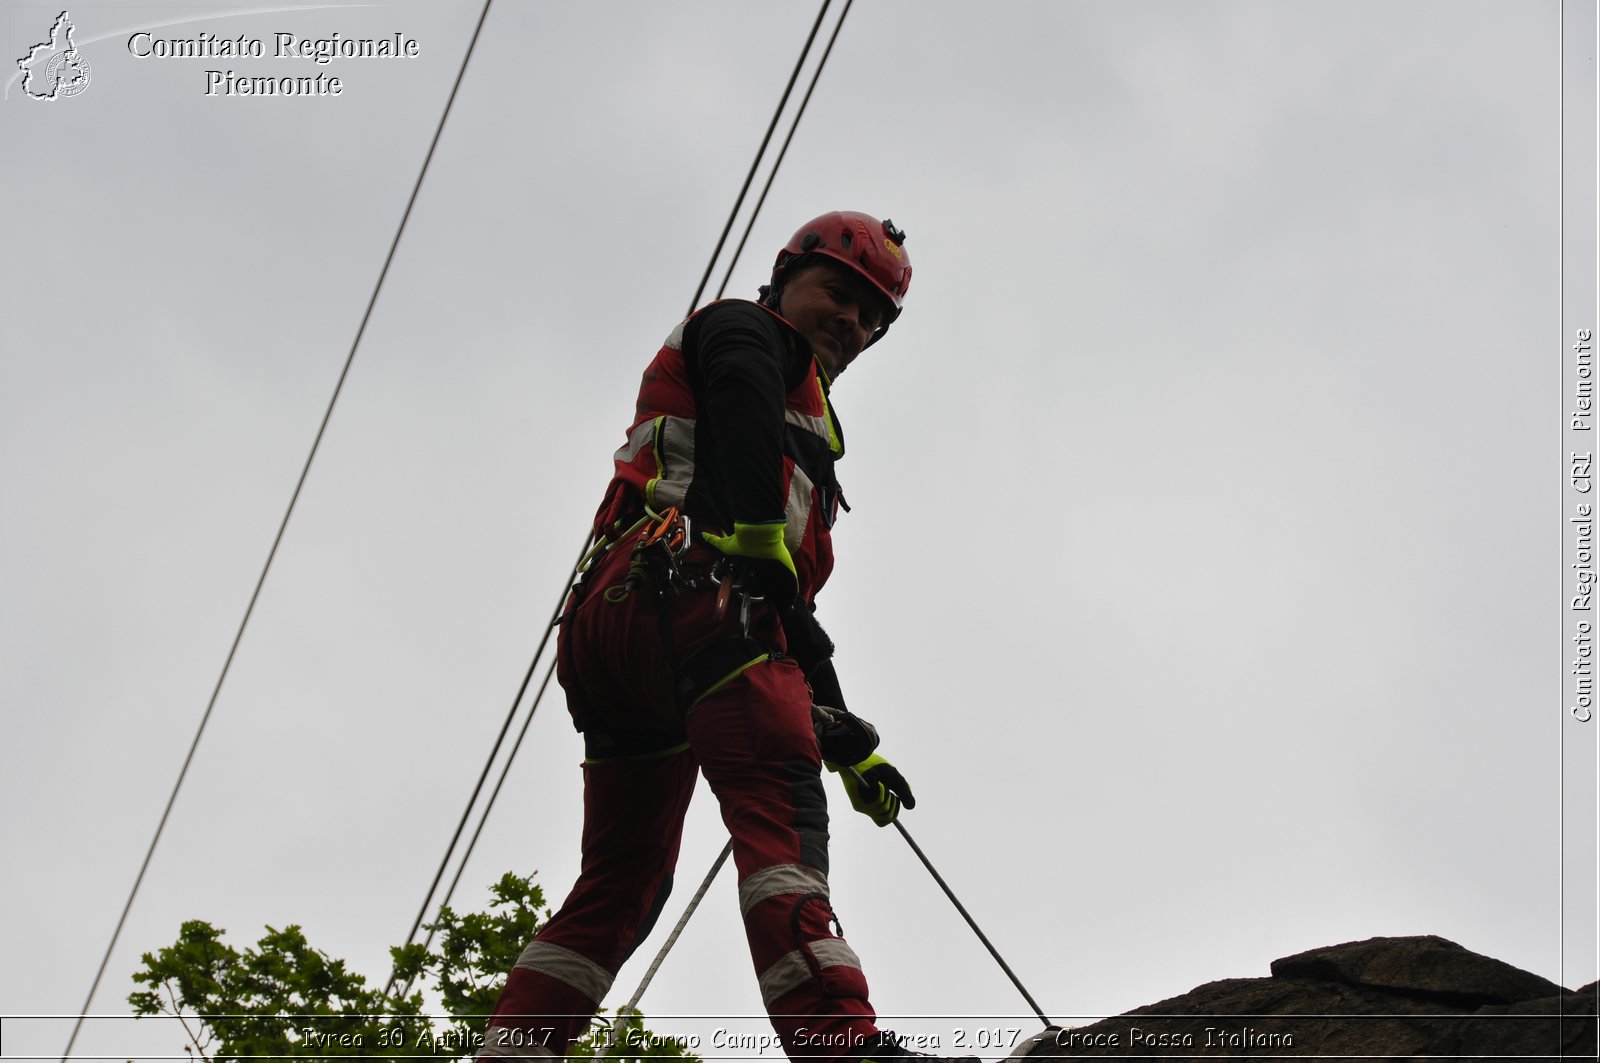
(733, 423)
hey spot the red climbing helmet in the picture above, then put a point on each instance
(875, 249)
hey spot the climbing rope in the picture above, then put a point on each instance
(632, 1006)
(948, 892)
(488, 765)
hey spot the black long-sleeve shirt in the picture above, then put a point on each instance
(741, 362)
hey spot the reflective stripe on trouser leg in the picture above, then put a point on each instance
(777, 881)
(564, 965)
(757, 750)
(792, 972)
(539, 1013)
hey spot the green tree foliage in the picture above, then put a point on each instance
(285, 998)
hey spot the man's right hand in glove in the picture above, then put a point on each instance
(876, 789)
(763, 545)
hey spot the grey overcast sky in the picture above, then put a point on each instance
(1202, 571)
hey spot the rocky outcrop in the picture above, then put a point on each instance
(1393, 998)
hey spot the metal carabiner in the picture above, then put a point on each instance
(744, 612)
(682, 537)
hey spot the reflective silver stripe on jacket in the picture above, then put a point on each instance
(675, 337)
(674, 448)
(564, 965)
(824, 426)
(778, 881)
(797, 511)
(671, 440)
(500, 1042)
(791, 972)
(817, 426)
(638, 437)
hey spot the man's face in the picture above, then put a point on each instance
(835, 309)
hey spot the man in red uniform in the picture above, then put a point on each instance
(690, 645)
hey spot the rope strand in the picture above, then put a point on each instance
(672, 939)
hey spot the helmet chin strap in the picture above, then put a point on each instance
(771, 294)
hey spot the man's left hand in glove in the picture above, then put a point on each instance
(876, 789)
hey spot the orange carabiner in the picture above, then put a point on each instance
(668, 520)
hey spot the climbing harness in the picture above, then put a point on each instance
(666, 556)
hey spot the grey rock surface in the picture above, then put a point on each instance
(1384, 998)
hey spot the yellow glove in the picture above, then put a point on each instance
(762, 544)
(876, 789)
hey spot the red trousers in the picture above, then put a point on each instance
(751, 735)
